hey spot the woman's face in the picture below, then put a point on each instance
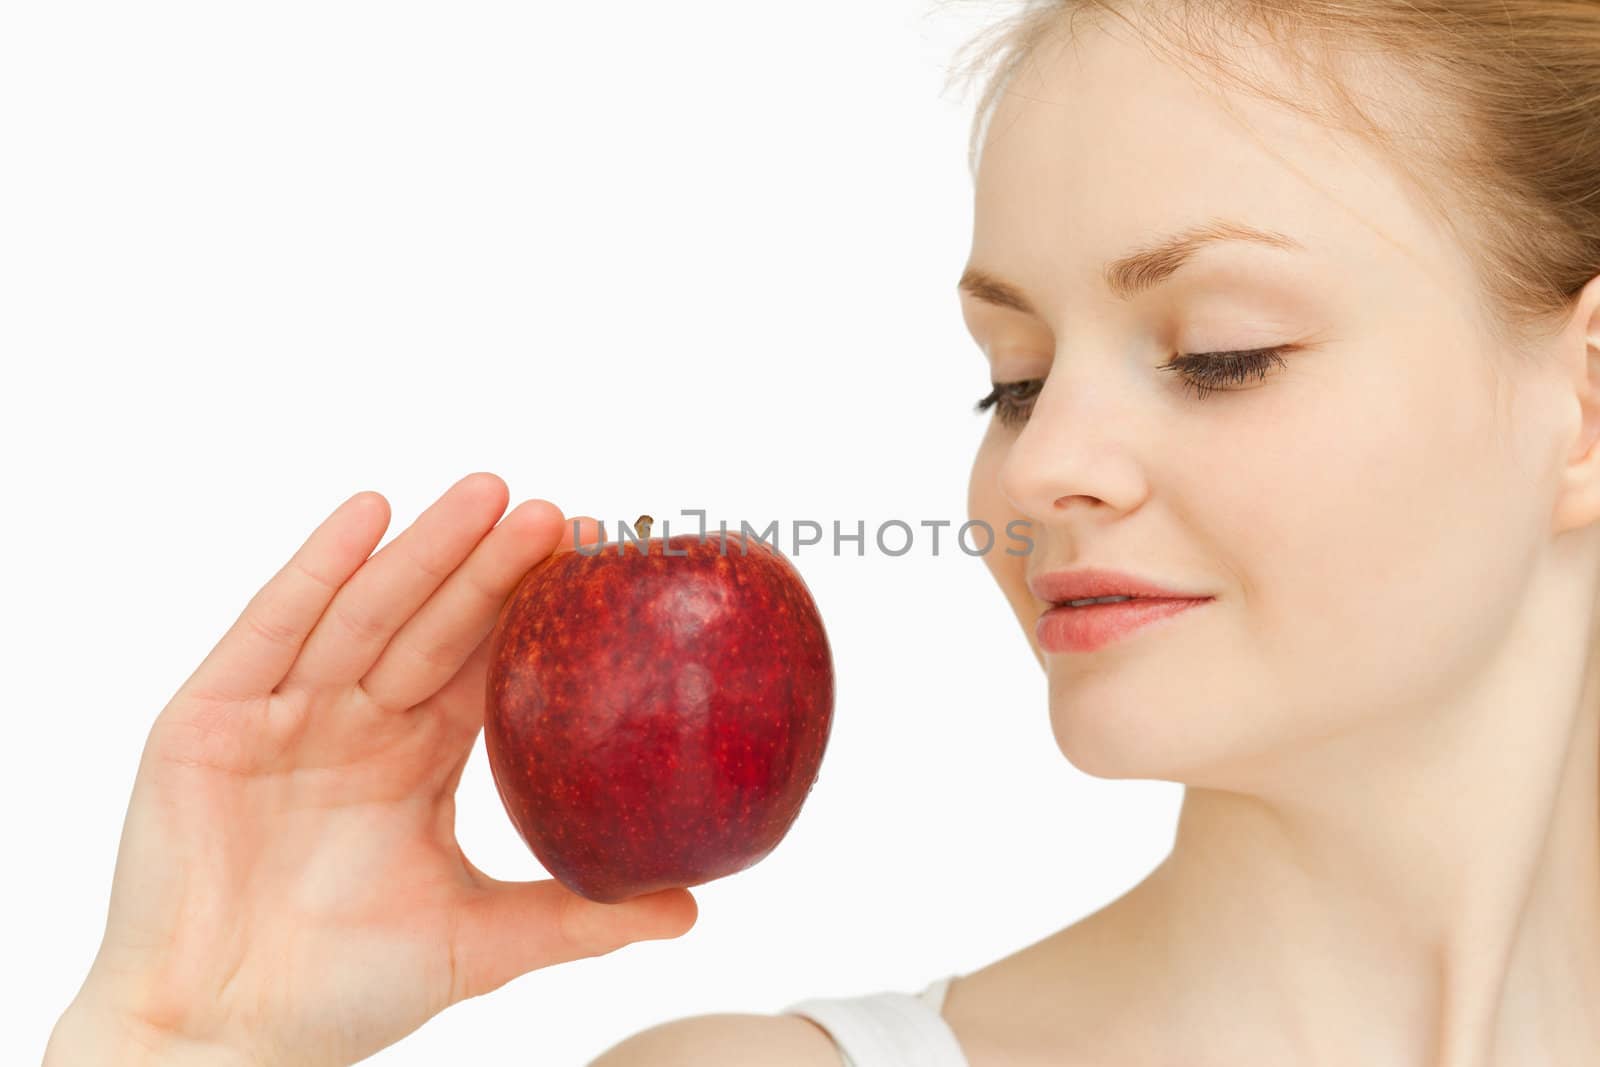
(1365, 515)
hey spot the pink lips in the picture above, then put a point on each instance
(1085, 629)
(1085, 583)
(1064, 628)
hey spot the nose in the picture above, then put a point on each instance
(1073, 453)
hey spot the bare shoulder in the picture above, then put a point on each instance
(731, 1039)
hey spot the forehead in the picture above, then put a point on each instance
(1102, 143)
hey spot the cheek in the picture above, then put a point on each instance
(1376, 529)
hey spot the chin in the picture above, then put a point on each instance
(1123, 730)
(1103, 742)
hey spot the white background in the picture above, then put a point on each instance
(631, 256)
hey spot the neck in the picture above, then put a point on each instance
(1423, 890)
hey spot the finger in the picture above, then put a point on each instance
(511, 928)
(256, 652)
(582, 530)
(393, 584)
(461, 703)
(462, 700)
(432, 646)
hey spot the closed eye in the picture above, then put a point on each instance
(1211, 372)
(1204, 372)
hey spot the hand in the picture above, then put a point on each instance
(289, 888)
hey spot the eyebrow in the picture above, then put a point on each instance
(1138, 271)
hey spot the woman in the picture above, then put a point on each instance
(1293, 313)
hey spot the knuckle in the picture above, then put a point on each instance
(586, 928)
(440, 654)
(435, 570)
(272, 630)
(575, 939)
(484, 592)
(328, 585)
(362, 625)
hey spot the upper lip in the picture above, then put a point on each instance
(1086, 583)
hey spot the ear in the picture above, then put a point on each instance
(1579, 503)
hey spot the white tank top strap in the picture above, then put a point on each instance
(889, 1029)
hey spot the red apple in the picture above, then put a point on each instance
(656, 720)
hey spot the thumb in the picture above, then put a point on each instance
(511, 928)
(602, 928)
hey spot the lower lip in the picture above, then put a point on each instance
(1069, 629)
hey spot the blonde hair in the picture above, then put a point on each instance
(1491, 109)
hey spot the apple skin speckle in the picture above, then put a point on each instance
(657, 721)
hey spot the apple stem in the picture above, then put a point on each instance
(642, 524)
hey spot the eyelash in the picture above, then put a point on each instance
(1205, 373)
